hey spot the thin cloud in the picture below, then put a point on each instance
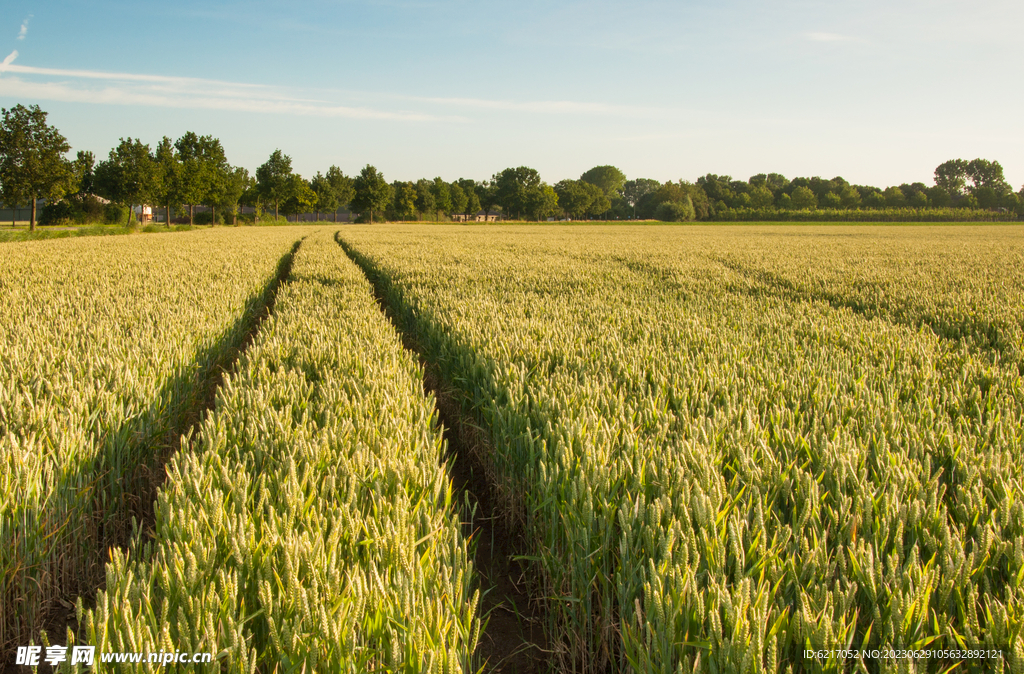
(180, 92)
(24, 28)
(115, 88)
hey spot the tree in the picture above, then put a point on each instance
(803, 198)
(573, 198)
(599, 200)
(472, 191)
(761, 196)
(987, 174)
(404, 203)
(542, 202)
(236, 182)
(372, 192)
(516, 189)
(203, 169)
(442, 196)
(300, 197)
(951, 176)
(272, 179)
(325, 199)
(424, 196)
(675, 211)
(850, 197)
(608, 178)
(84, 168)
(487, 195)
(341, 186)
(894, 197)
(832, 200)
(634, 190)
(129, 175)
(459, 198)
(168, 176)
(32, 163)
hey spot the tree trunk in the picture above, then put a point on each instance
(318, 216)
(32, 221)
(191, 214)
(276, 214)
(168, 216)
(335, 215)
(213, 216)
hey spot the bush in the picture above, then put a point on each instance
(115, 214)
(74, 209)
(206, 218)
(675, 211)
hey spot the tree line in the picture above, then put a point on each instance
(194, 171)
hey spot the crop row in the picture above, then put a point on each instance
(962, 283)
(717, 480)
(309, 524)
(107, 348)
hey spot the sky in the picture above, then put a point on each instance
(877, 91)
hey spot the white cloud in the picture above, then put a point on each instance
(24, 28)
(87, 86)
(111, 88)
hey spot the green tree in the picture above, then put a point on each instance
(987, 174)
(608, 178)
(832, 200)
(761, 196)
(424, 197)
(459, 198)
(600, 202)
(472, 190)
(404, 200)
(129, 176)
(442, 197)
(202, 172)
(675, 211)
(84, 168)
(542, 203)
(32, 162)
(272, 179)
(939, 197)
(300, 197)
(235, 184)
(803, 198)
(573, 198)
(951, 176)
(168, 176)
(850, 197)
(372, 192)
(488, 196)
(634, 190)
(894, 197)
(516, 190)
(325, 198)
(341, 185)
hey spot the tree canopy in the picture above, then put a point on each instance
(32, 162)
(372, 192)
(272, 179)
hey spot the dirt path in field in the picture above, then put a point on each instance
(513, 641)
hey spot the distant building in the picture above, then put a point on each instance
(481, 216)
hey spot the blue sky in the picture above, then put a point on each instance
(877, 91)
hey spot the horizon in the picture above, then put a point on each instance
(877, 94)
